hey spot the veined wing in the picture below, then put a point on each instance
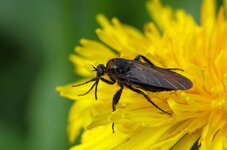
(154, 76)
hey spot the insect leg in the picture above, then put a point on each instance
(104, 80)
(90, 88)
(170, 69)
(94, 79)
(107, 81)
(113, 127)
(144, 58)
(96, 89)
(111, 78)
(116, 98)
(147, 97)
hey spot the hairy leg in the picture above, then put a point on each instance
(147, 97)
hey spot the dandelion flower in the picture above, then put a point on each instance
(198, 115)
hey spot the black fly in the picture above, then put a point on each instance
(135, 75)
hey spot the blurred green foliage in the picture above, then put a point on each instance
(37, 37)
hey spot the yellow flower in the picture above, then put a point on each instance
(199, 114)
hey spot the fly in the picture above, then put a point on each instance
(137, 75)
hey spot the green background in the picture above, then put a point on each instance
(37, 36)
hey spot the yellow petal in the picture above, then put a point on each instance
(163, 16)
(217, 143)
(79, 116)
(94, 139)
(121, 37)
(211, 129)
(225, 3)
(187, 142)
(208, 14)
(143, 138)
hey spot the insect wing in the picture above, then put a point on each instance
(150, 75)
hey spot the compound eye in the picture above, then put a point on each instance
(100, 70)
